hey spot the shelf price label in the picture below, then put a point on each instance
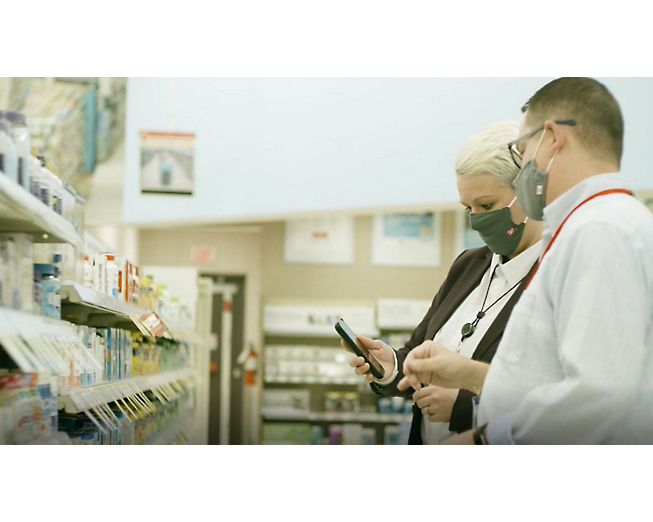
(153, 323)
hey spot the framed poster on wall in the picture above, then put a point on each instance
(167, 162)
(406, 239)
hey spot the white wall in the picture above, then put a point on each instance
(269, 147)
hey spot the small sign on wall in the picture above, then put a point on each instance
(202, 254)
(328, 240)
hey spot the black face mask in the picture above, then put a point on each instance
(497, 230)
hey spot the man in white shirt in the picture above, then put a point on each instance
(576, 361)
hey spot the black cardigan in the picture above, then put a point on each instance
(464, 275)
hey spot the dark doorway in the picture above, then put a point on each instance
(226, 287)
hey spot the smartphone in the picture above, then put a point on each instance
(357, 347)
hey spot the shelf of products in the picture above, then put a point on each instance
(308, 364)
(80, 399)
(400, 314)
(314, 380)
(96, 346)
(84, 305)
(21, 212)
(362, 417)
(293, 320)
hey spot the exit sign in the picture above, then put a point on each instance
(202, 254)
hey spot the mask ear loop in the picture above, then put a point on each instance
(510, 205)
(548, 168)
(537, 149)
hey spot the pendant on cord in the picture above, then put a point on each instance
(468, 328)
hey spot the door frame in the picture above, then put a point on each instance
(252, 335)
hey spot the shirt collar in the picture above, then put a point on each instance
(516, 268)
(557, 211)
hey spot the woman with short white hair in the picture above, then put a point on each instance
(470, 310)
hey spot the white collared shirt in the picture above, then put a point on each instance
(507, 277)
(575, 364)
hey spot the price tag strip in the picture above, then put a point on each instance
(129, 394)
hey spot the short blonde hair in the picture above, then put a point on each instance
(487, 152)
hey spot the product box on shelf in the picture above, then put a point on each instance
(112, 276)
(17, 254)
(285, 433)
(100, 273)
(286, 401)
(112, 346)
(122, 284)
(96, 350)
(27, 408)
(341, 402)
(8, 153)
(88, 271)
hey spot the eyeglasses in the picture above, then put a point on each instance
(512, 146)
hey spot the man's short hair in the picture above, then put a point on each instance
(599, 123)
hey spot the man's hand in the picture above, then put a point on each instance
(464, 438)
(380, 351)
(432, 363)
(436, 403)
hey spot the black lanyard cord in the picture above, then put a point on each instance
(468, 328)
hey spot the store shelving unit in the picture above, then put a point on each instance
(359, 417)
(51, 348)
(21, 212)
(306, 371)
(314, 380)
(297, 326)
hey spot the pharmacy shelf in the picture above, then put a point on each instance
(83, 305)
(80, 399)
(21, 212)
(56, 439)
(317, 333)
(361, 417)
(314, 380)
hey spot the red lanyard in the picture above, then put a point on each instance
(602, 193)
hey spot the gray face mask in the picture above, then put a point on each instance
(497, 230)
(530, 186)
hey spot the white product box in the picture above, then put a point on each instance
(100, 273)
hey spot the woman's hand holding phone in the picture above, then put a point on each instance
(379, 350)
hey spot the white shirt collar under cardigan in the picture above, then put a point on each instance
(517, 267)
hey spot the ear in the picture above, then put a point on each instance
(558, 137)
